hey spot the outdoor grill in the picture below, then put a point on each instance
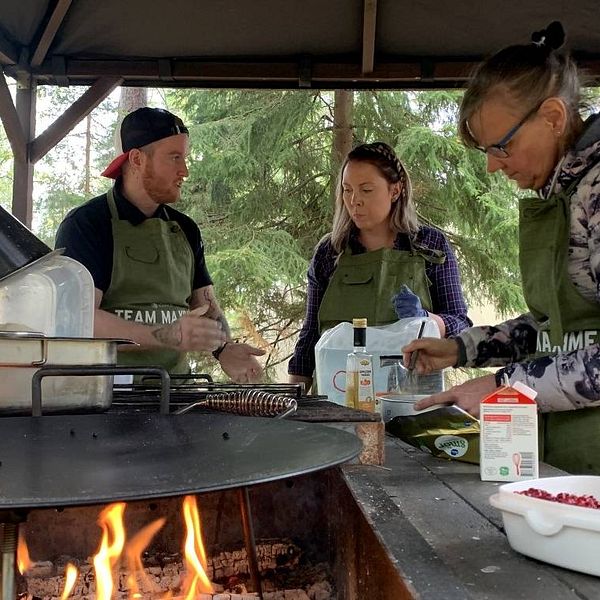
(159, 439)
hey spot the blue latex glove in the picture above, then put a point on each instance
(407, 304)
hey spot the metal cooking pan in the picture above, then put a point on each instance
(23, 353)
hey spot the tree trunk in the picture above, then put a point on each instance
(342, 134)
(130, 99)
(88, 152)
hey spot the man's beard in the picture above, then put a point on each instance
(159, 192)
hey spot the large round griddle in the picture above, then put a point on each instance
(90, 459)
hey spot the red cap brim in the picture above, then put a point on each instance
(114, 169)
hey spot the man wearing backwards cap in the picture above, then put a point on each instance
(147, 259)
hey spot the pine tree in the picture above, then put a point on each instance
(260, 187)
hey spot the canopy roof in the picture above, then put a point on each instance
(276, 43)
(326, 44)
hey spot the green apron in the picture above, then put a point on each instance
(151, 282)
(569, 440)
(362, 285)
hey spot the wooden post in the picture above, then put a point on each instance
(22, 201)
(342, 134)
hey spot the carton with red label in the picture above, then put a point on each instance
(508, 448)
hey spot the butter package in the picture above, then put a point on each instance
(509, 440)
(446, 432)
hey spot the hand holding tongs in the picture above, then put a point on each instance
(412, 374)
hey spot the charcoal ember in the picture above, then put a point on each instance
(235, 585)
(42, 568)
(287, 595)
(63, 560)
(45, 586)
(320, 591)
(272, 555)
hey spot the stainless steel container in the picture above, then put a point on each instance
(403, 391)
(23, 353)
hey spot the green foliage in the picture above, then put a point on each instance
(259, 189)
(6, 172)
(452, 190)
(64, 178)
(257, 186)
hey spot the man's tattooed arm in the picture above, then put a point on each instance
(206, 295)
(224, 325)
(170, 335)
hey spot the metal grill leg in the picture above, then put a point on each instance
(8, 549)
(249, 539)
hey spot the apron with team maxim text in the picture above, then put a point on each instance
(569, 440)
(151, 282)
(362, 285)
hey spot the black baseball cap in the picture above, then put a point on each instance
(140, 128)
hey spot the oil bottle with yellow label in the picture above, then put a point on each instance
(359, 371)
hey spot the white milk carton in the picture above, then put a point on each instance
(508, 447)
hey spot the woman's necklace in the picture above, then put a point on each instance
(554, 178)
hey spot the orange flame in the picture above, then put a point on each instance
(133, 552)
(107, 558)
(24, 562)
(70, 579)
(111, 546)
(195, 556)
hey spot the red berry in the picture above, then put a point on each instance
(562, 497)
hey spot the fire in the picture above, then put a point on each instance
(195, 556)
(24, 562)
(112, 547)
(133, 552)
(70, 579)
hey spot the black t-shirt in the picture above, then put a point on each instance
(86, 236)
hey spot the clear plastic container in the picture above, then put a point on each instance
(54, 296)
(333, 346)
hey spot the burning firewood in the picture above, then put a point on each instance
(273, 555)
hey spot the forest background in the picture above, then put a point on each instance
(263, 169)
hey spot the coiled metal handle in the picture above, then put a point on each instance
(250, 403)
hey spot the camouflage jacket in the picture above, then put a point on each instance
(567, 379)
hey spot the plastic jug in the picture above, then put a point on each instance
(333, 347)
(53, 295)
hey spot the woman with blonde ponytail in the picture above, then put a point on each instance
(522, 109)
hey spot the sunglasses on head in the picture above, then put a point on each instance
(499, 150)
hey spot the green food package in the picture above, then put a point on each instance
(446, 432)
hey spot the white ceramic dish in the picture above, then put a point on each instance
(560, 534)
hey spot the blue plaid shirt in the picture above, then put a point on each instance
(446, 293)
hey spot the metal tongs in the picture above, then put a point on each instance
(412, 379)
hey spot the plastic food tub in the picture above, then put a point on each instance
(561, 534)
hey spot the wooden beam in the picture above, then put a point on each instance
(390, 72)
(9, 55)
(80, 109)
(369, 31)
(10, 120)
(52, 25)
(22, 200)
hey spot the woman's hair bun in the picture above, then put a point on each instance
(552, 37)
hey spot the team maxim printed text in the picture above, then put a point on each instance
(151, 316)
(573, 340)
